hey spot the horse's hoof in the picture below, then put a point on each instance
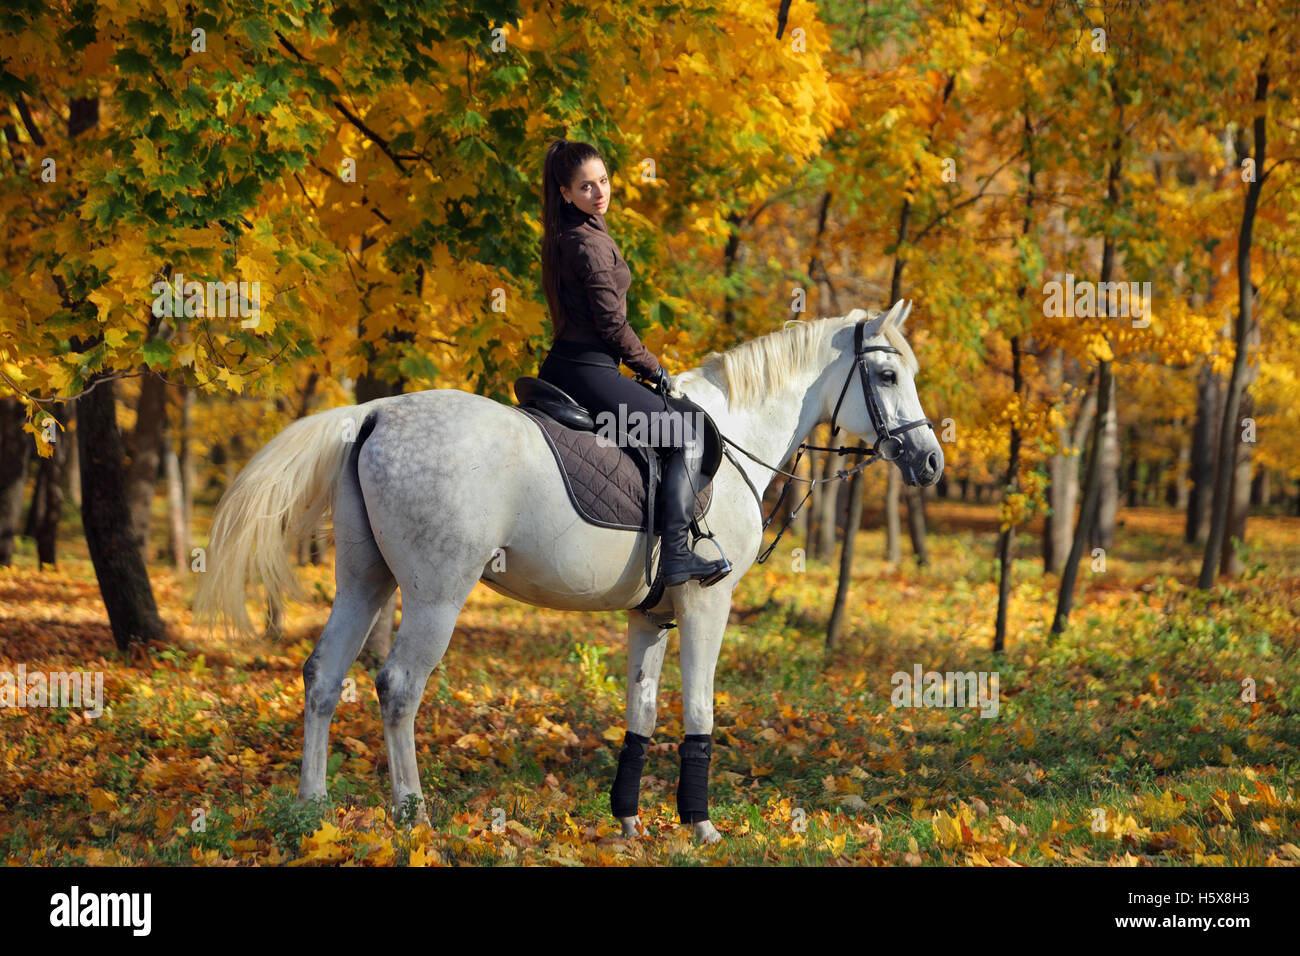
(632, 827)
(706, 832)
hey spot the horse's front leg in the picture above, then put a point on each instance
(702, 616)
(646, 643)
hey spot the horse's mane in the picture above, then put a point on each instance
(768, 363)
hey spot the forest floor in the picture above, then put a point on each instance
(1127, 741)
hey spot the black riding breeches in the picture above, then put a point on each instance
(600, 387)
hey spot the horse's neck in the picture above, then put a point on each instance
(772, 426)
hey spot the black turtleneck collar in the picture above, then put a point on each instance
(573, 216)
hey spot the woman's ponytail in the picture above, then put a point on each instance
(563, 160)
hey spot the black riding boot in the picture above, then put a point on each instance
(680, 482)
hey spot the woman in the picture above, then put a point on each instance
(586, 282)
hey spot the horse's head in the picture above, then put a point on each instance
(872, 394)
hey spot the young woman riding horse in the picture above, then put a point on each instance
(586, 282)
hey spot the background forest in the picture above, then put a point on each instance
(1093, 205)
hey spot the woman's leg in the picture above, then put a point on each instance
(603, 389)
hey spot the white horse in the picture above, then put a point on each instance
(431, 490)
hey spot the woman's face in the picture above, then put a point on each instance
(590, 190)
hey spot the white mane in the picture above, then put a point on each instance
(768, 363)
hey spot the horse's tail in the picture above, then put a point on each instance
(280, 498)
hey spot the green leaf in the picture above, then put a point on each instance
(156, 353)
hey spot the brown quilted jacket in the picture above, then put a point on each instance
(593, 281)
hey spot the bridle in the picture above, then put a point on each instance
(888, 444)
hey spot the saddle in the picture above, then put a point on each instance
(613, 485)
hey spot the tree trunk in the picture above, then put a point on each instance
(36, 510)
(1063, 471)
(1230, 563)
(1202, 464)
(915, 500)
(808, 520)
(829, 520)
(45, 528)
(1261, 490)
(187, 462)
(730, 256)
(15, 449)
(1182, 466)
(106, 516)
(1088, 512)
(893, 546)
(833, 629)
(1011, 484)
(1230, 427)
(72, 471)
(1103, 530)
(1137, 481)
(178, 535)
(142, 474)
(816, 268)
(1007, 535)
(1105, 389)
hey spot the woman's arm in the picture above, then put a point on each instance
(606, 281)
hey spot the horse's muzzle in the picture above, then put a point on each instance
(924, 468)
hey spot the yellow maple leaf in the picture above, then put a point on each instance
(1163, 808)
(147, 154)
(420, 858)
(323, 845)
(947, 829)
(101, 801)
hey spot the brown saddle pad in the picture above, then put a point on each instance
(605, 484)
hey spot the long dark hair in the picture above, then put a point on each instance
(563, 159)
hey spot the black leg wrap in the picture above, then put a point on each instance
(625, 795)
(696, 751)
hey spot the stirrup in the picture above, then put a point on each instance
(714, 576)
(722, 572)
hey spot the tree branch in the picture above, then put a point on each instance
(25, 112)
(352, 118)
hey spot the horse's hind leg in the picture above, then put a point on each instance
(364, 584)
(422, 639)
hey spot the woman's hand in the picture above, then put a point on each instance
(663, 383)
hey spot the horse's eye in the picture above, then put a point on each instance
(888, 376)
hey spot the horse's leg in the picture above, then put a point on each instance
(646, 643)
(422, 639)
(702, 616)
(364, 584)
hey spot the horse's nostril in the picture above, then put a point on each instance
(932, 463)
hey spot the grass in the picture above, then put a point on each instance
(1126, 741)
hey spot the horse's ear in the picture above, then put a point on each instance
(898, 323)
(879, 322)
